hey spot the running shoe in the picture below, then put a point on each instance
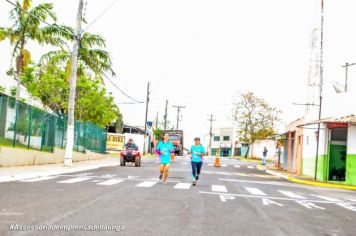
(194, 183)
(197, 177)
(160, 177)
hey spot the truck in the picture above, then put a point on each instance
(176, 137)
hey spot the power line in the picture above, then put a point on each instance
(101, 14)
(107, 77)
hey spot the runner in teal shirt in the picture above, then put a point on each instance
(164, 149)
(197, 153)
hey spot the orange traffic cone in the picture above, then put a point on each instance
(217, 161)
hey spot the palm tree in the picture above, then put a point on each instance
(91, 56)
(27, 27)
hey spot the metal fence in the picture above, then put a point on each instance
(25, 126)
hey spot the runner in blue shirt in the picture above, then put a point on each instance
(197, 153)
(164, 149)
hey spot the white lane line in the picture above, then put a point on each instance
(184, 163)
(110, 182)
(250, 167)
(291, 194)
(146, 184)
(255, 191)
(236, 166)
(223, 165)
(352, 200)
(218, 188)
(75, 180)
(182, 186)
(39, 179)
(326, 198)
(210, 164)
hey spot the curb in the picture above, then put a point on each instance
(9, 178)
(306, 182)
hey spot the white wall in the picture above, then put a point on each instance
(257, 149)
(351, 140)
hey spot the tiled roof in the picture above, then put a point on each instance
(350, 119)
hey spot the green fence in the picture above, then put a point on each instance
(25, 126)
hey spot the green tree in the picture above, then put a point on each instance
(27, 27)
(254, 118)
(93, 104)
(91, 55)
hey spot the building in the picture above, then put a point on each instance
(336, 156)
(223, 141)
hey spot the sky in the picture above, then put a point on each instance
(202, 53)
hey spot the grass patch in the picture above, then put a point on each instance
(9, 143)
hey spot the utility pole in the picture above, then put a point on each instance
(346, 70)
(157, 120)
(320, 85)
(178, 111)
(68, 156)
(210, 132)
(165, 116)
(147, 101)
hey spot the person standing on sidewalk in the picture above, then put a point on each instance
(264, 156)
(164, 149)
(197, 153)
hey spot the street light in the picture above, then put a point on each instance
(346, 69)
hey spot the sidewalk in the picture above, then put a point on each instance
(272, 170)
(27, 172)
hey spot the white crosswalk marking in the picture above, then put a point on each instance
(218, 188)
(182, 186)
(250, 167)
(210, 164)
(146, 184)
(291, 194)
(39, 179)
(255, 191)
(111, 182)
(223, 165)
(326, 198)
(237, 166)
(75, 180)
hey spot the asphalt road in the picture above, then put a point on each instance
(235, 199)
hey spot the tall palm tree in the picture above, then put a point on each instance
(27, 27)
(91, 55)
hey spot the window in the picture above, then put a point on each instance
(226, 138)
(216, 138)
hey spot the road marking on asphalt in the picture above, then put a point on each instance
(224, 197)
(75, 180)
(267, 202)
(83, 174)
(309, 205)
(210, 164)
(111, 182)
(266, 197)
(132, 177)
(347, 206)
(250, 167)
(291, 194)
(39, 179)
(218, 188)
(255, 191)
(182, 186)
(223, 165)
(352, 200)
(236, 166)
(326, 198)
(184, 163)
(146, 184)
